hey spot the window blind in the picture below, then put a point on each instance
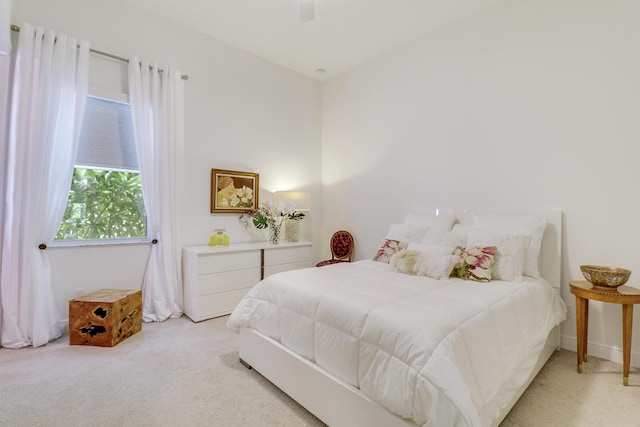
(106, 137)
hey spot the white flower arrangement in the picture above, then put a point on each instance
(272, 214)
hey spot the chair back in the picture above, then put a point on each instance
(342, 245)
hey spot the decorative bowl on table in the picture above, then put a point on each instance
(605, 277)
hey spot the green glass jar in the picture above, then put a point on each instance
(219, 238)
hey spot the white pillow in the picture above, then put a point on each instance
(440, 222)
(431, 249)
(406, 232)
(511, 248)
(461, 230)
(531, 224)
(423, 264)
(435, 237)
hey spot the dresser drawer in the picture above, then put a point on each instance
(219, 304)
(273, 269)
(217, 262)
(227, 281)
(276, 256)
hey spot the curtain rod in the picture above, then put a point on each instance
(99, 52)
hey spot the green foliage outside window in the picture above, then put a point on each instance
(104, 204)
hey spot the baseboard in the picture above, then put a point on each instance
(64, 325)
(612, 354)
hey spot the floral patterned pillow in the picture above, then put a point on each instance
(388, 248)
(510, 258)
(474, 262)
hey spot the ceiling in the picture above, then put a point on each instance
(342, 35)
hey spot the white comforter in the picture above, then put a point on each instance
(439, 352)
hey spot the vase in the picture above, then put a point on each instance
(291, 230)
(274, 234)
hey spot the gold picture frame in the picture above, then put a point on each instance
(233, 191)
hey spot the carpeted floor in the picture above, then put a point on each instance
(180, 373)
(559, 396)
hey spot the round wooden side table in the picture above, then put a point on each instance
(624, 295)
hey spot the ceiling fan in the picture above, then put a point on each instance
(307, 10)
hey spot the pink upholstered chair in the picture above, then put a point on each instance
(342, 247)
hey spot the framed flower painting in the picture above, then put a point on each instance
(233, 191)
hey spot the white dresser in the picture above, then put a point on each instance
(215, 278)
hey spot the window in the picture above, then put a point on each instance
(105, 199)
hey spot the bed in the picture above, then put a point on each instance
(392, 341)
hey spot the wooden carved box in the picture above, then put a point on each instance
(105, 317)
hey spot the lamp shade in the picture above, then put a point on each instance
(300, 198)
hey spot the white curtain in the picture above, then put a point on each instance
(5, 27)
(5, 62)
(49, 90)
(157, 106)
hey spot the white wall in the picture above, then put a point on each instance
(241, 113)
(534, 103)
